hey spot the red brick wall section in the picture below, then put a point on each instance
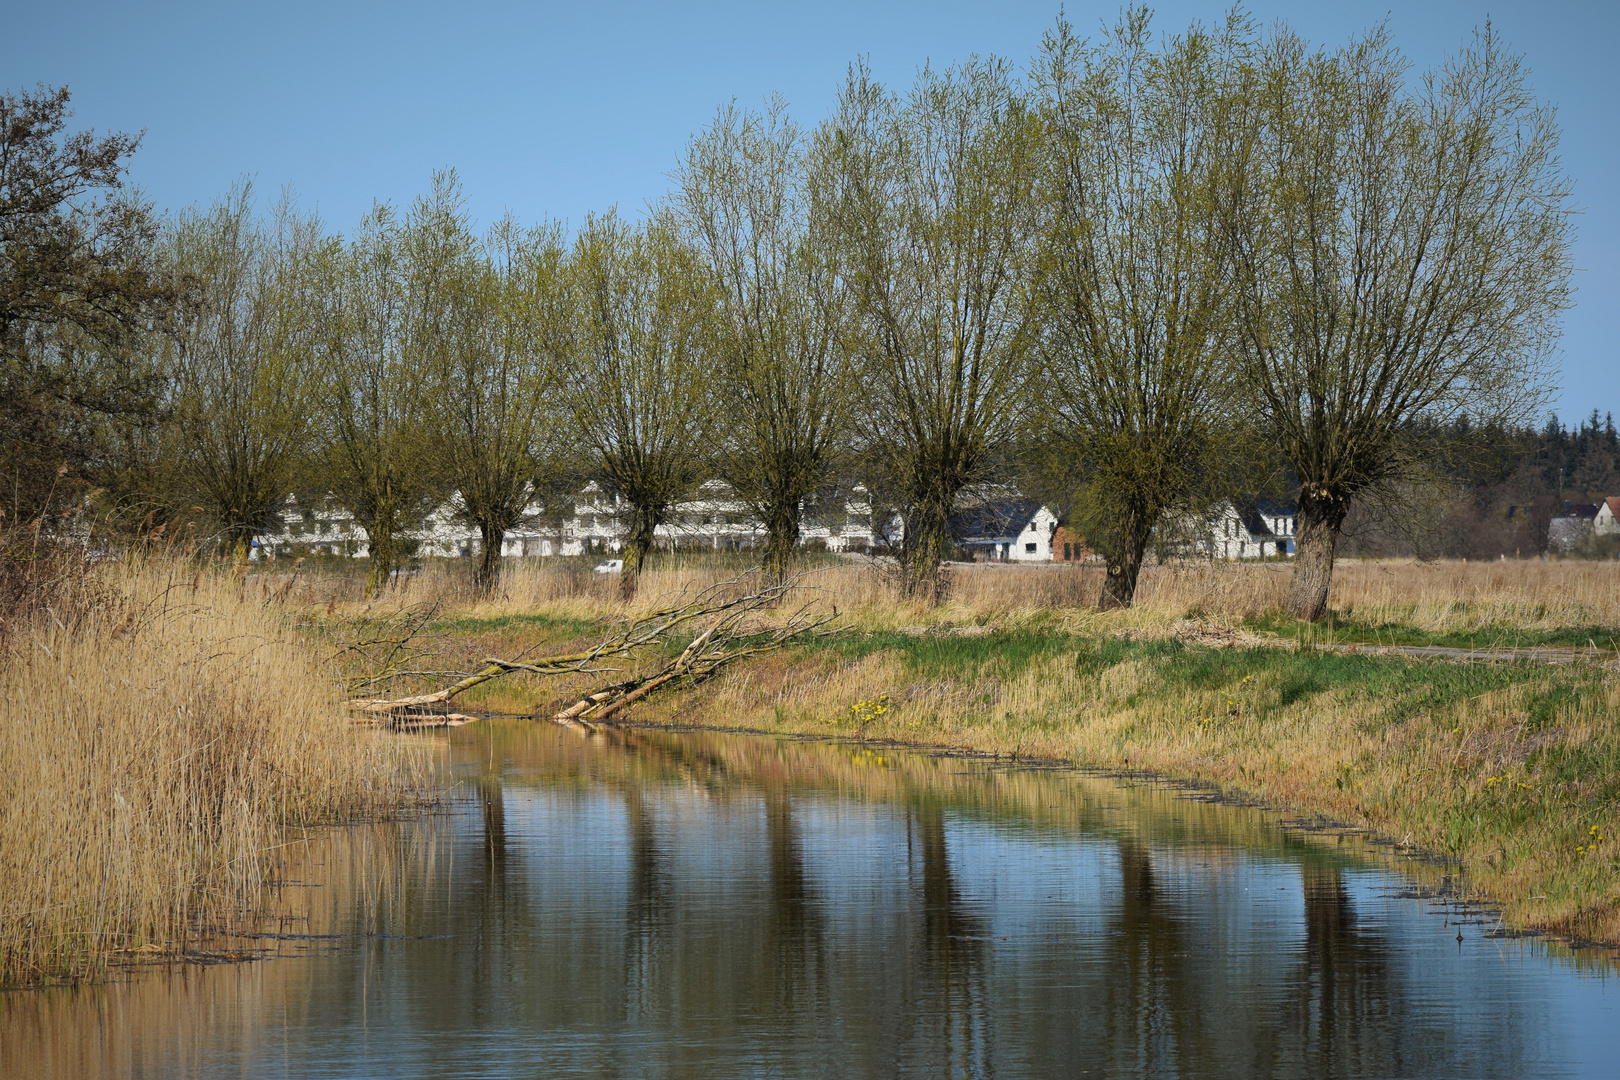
(1069, 546)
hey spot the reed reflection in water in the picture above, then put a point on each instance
(696, 905)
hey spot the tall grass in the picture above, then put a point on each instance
(1449, 597)
(184, 1023)
(160, 728)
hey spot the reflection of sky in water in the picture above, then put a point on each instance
(613, 928)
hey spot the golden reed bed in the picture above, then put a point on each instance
(1438, 597)
(160, 730)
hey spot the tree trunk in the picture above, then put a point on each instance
(637, 543)
(927, 538)
(781, 537)
(1321, 513)
(381, 558)
(488, 575)
(1124, 568)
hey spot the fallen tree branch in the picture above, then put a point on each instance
(721, 643)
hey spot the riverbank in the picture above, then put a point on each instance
(162, 732)
(1509, 770)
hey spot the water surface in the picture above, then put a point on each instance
(654, 904)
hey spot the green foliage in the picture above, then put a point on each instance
(1106, 275)
(494, 362)
(241, 370)
(1436, 210)
(386, 293)
(1139, 401)
(85, 299)
(639, 370)
(752, 207)
(934, 199)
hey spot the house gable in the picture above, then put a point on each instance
(1607, 521)
(1005, 530)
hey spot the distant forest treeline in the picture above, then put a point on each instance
(1508, 483)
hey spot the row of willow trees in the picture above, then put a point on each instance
(1137, 277)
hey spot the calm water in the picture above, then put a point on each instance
(644, 904)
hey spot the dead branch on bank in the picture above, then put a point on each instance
(727, 640)
(381, 648)
(729, 636)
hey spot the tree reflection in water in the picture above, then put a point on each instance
(679, 905)
(1349, 1004)
(955, 941)
(793, 950)
(1151, 1011)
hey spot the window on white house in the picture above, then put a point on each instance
(1032, 548)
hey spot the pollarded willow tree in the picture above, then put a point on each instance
(639, 376)
(241, 373)
(385, 318)
(1133, 294)
(1401, 258)
(493, 373)
(936, 205)
(750, 206)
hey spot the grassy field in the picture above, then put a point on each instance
(1512, 770)
(161, 732)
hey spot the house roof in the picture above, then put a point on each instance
(1275, 508)
(1613, 503)
(1252, 514)
(993, 518)
(1585, 511)
(1254, 523)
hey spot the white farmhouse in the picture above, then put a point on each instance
(324, 528)
(847, 522)
(1574, 527)
(595, 526)
(1005, 530)
(1250, 531)
(1607, 522)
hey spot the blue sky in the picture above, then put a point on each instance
(551, 110)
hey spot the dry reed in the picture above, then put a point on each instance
(1437, 597)
(177, 1023)
(158, 734)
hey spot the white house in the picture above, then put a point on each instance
(1005, 530)
(1607, 522)
(325, 528)
(1575, 526)
(594, 526)
(847, 522)
(714, 519)
(1244, 531)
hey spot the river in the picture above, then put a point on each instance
(644, 903)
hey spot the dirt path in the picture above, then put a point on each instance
(1544, 654)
